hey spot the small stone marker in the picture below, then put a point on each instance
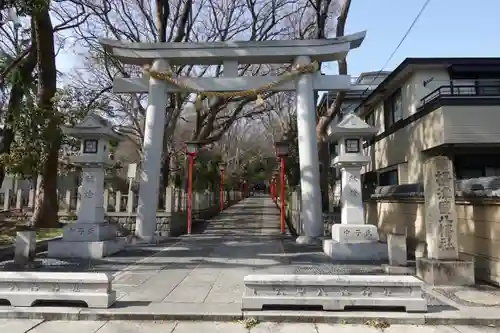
(25, 247)
(396, 244)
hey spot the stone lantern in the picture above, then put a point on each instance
(353, 239)
(91, 236)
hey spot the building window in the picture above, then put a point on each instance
(393, 109)
(388, 178)
(370, 119)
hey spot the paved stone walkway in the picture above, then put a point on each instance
(38, 326)
(207, 270)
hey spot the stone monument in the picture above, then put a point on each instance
(442, 265)
(91, 236)
(353, 239)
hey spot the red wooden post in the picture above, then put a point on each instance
(221, 168)
(282, 148)
(190, 193)
(282, 217)
(191, 151)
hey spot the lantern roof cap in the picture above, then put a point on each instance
(92, 126)
(351, 125)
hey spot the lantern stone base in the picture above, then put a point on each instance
(85, 249)
(446, 272)
(355, 251)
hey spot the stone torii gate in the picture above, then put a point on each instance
(304, 54)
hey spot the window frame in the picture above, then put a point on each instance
(390, 116)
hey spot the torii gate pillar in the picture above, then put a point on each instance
(154, 128)
(311, 215)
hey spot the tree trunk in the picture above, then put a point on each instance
(46, 206)
(18, 90)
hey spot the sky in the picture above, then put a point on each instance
(447, 28)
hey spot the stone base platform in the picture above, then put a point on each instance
(446, 272)
(90, 249)
(333, 292)
(25, 289)
(355, 251)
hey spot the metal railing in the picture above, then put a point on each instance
(457, 91)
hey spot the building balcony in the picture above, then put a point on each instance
(464, 114)
(459, 94)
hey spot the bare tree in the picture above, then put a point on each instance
(184, 21)
(325, 120)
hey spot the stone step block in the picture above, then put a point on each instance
(25, 289)
(334, 292)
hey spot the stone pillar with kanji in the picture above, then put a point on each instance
(353, 239)
(90, 236)
(443, 265)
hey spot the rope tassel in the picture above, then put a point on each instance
(198, 102)
(259, 101)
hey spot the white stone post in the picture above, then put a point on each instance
(106, 200)
(31, 199)
(67, 200)
(6, 200)
(153, 147)
(130, 202)
(19, 198)
(118, 201)
(169, 199)
(308, 157)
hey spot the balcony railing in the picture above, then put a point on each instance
(487, 90)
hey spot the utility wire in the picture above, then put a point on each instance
(415, 20)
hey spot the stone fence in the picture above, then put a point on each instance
(121, 207)
(293, 213)
(478, 213)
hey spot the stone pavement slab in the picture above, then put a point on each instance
(137, 327)
(17, 325)
(25, 326)
(68, 326)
